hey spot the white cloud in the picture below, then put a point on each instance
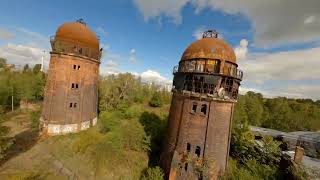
(133, 56)
(273, 23)
(157, 8)
(287, 65)
(6, 35)
(242, 50)
(155, 77)
(148, 76)
(23, 54)
(102, 32)
(34, 39)
(309, 19)
(290, 90)
(199, 32)
(111, 63)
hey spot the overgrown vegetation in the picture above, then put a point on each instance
(279, 113)
(127, 141)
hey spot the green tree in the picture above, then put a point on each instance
(156, 100)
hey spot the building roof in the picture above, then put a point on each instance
(78, 32)
(210, 48)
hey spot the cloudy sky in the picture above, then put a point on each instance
(277, 42)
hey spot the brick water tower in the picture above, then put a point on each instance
(205, 89)
(71, 94)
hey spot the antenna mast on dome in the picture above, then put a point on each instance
(210, 34)
(81, 21)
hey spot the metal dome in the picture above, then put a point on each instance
(77, 32)
(210, 48)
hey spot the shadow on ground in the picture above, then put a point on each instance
(154, 127)
(22, 143)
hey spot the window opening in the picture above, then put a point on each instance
(198, 151)
(188, 147)
(194, 108)
(186, 167)
(204, 109)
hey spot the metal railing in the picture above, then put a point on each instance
(238, 74)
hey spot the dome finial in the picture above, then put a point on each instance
(210, 34)
(81, 21)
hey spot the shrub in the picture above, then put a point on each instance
(154, 173)
(34, 117)
(156, 100)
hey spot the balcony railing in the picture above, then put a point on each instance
(236, 74)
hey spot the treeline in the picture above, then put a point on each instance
(15, 85)
(26, 84)
(278, 113)
(122, 90)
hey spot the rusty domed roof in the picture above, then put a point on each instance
(211, 48)
(78, 32)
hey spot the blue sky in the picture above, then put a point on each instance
(276, 45)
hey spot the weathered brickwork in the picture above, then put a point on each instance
(71, 93)
(200, 118)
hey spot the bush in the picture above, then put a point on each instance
(35, 117)
(5, 142)
(154, 173)
(156, 100)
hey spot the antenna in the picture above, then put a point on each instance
(81, 21)
(210, 34)
(42, 60)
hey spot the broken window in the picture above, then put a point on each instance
(204, 109)
(74, 66)
(200, 65)
(72, 85)
(75, 105)
(194, 108)
(198, 151)
(77, 86)
(213, 66)
(70, 105)
(78, 67)
(188, 147)
(186, 166)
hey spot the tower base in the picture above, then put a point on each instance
(60, 129)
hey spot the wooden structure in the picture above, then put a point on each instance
(71, 94)
(205, 88)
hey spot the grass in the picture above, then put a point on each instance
(121, 146)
